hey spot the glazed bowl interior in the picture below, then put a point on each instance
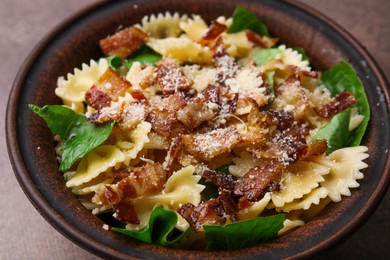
(31, 147)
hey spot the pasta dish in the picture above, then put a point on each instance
(188, 131)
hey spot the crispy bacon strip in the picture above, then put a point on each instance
(195, 112)
(224, 181)
(339, 103)
(170, 77)
(209, 212)
(173, 151)
(297, 71)
(229, 204)
(127, 114)
(283, 147)
(124, 42)
(256, 180)
(97, 98)
(261, 41)
(148, 179)
(316, 147)
(265, 119)
(201, 108)
(125, 212)
(109, 87)
(215, 30)
(163, 118)
(211, 144)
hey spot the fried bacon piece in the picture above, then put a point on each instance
(173, 151)
(299, 72)
(195, 112)
(283, 147)
(213, 211)
(163, 118)
(97, 98)
(170, 77)
(124, 42)
(215, 30)
(211, 144)
(339, 103)
(256, 180)
(224, 181)
(201, 108)
(210, 212)
(109, 87)
(316, 147)
(165, 123)
(265, 119)
(124, 211)
(229, 204)
(127, 114)
(260, 120)
(148, 179)
(290, 146)
(261, 41)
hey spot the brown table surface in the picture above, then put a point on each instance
(24, 234)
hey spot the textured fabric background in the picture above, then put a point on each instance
(24, 234)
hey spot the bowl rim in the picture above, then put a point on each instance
(84, 241)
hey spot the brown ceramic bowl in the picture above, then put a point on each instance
(30, 142)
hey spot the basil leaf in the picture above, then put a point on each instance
(246, 20)
(262, 56)
(144, 55)
(243, 233)
(210, 190)
(336, 132)
(114, 61)
(162, 223)
(224, 169)
(343, 77)
(302, 52)
(78, 136)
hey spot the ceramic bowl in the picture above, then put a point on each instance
(30, 143)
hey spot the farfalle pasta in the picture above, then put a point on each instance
(218, 124)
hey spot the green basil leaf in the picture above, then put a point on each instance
(343, 77)
(243, 19)
(114, 61)
(78, 136)
(57, 118)
(243, 234)
(144, 55)
(302, 52)
(336, 132)
(162, 223)
(262, 56)
(224, 169)
(210, 190)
